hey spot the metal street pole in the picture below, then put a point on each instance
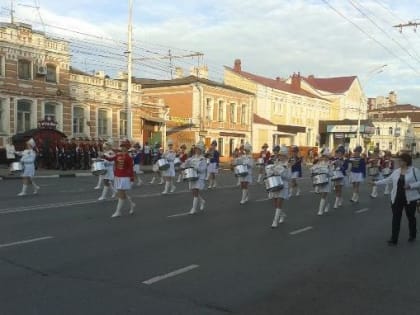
(129, 69)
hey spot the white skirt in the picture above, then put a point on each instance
(356, 177)
(197, 184)
(28, 170)
(109, 175)
(283, 194)
(212, 168)
(122, 183)
(136, 168)
(326, 188)
(170, 172)
(295, 175)
(338, 182)
(247, 178)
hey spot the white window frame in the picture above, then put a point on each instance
(2, 66)
(58, 113)
(4, 115)
(31, 69)
(244, 114)
(209, 108)
(55, 71)
(119, 124)
(233, 110)
(33, 117)
(108, 122)
(86, 118)
(221, 105)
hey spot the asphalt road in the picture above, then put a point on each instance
(61, 253)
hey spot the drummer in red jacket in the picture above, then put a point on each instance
(124, 177)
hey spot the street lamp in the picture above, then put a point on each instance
(371, 73)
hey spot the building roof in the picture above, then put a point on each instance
(153, 83)
(335, 85)
(277, 84)
(262, 121)
(397, 108)
(74, 70)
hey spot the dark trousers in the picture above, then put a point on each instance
(410, 211)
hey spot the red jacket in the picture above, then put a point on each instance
(123, 166)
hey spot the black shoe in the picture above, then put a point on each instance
(412, 239)
(392, 243)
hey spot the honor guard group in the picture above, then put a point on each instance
(278, 171)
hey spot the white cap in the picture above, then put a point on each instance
(284, 150)
(248, 147)
(170, 142)
(200, 145)
(31, 142)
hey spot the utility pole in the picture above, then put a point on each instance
(409, 24)
(129, 69)
(170, 62)
(12, 12)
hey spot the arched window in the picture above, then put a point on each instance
(24, 115)
(390, 131)
(78, 120)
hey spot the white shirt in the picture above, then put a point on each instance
(10, 151)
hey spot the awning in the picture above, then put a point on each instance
(291, 129)
(232, 134)
(154, 119)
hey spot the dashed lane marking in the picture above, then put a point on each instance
(170, 274)
(26, 241)
(301, 230)
(263, 199)
(362, 210)
(178, 215)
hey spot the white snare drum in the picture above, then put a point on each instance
(98, 167)
(319, 170)
(386, 171)
(373, 171)
(273, 183)
(238, 161)
(177, 162)
(162, 164)
(155, 168)
(260, 161)
(241, 170)
(337, 174)
(16, 167)
(320, 179)
(190, 174)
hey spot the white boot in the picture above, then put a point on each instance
(120, 205)
(173, 187)
(104, 193)
(282, 216)
(114, 191)
(353, 197)
(161, 181)
(98, 186)
(36, 187)
(139, 181)
(244, 196)
(340, 201)
(327, 207)
(297, 191)
(202, 203)
(276, 218)
(356, 197)
(194, 206)
(24, 190)
(291, 192)
(210, 183)
(238, 182)
(214, 183)
(259, 178)
(321, 206)
(374, 193)
(165, 191)
(179, 178)
(132, 205)
(153, 180)
(386, 192)
(336, 203)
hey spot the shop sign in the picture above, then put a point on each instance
(339, 135)
(341, 128)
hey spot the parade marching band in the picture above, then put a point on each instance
(279, 172)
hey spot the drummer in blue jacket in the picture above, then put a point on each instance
(357, 172)
(340, 165)
(296, 162)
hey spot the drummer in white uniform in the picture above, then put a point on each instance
(339, 165)
(246, 180)
(28, 161)
(169, 174)
(108, 177)
(323, 168)
(278, 166)
(199, 164)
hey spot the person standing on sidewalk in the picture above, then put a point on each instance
(124, 177)
(28, 161)
(404, 195)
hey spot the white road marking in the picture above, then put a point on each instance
(264, 199)
(178, 215)
(301, 230)
(170, 274)
(362, 210)
(26, 241)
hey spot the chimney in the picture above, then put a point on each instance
(237, 67)
(311, 77)
(278, 79)
(296, 80)
(200, 72)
